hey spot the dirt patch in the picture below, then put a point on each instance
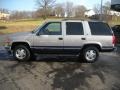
(1, 33)
(3, 27)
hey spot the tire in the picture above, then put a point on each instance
(90, 54)
(21, 53)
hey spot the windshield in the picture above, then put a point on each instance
(35, 30)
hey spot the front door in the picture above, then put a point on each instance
(50, 39)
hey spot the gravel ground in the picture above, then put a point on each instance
(60, 74)
(118, 48)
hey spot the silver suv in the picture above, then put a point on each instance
(84, 39)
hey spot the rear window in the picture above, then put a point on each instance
(100, 28)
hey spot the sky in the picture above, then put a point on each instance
(30, 5)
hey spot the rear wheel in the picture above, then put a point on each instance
(90, 54)
(21, 53)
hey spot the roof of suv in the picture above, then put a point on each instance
(81, 20)
(73, 20)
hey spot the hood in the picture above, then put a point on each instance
(22, 36)
(19, 34)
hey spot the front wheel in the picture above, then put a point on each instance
(21, 53)
(90, 54)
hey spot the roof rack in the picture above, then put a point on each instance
(66, 19)
(73, 19)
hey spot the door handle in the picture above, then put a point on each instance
(60, 38)
(83, 38)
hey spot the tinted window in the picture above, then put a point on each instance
(74, 28)
(99, 28)
(116, 30)
(52, 29)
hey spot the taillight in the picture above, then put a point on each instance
(114, 40)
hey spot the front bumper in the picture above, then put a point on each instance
(8, 49)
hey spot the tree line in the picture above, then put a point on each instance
(50, 8)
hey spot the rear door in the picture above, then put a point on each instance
(101, 32)
(73, 37)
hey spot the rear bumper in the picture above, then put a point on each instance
(108, 49)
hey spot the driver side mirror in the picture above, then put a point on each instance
(43, 32)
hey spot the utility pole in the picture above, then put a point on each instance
(101, 11)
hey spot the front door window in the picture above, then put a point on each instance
(52, 29)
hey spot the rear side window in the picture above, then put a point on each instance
(100, 28)
(74, 28)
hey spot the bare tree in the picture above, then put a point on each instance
(106, 11)
(2, 10)
(38, 13)
(45, 6)
(106, 8)
(97, 9)
(69, 9)
(20, 15)
(80, 11)
(59, 10)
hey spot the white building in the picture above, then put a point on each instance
(89, 13)
(114, 13)
(4, 15)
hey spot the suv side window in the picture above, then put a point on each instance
(99, 28)
(52, 28)
(74, 28)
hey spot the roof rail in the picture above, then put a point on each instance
(72, 19)
(66, 19)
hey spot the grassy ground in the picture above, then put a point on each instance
(18, 26)
(112, 23)
(27, 25)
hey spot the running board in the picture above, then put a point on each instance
(58, 55)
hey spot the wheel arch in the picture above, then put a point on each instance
(14, 44)
(98, 46)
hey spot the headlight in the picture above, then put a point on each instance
(7, 41)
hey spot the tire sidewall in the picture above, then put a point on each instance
(28, 54)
